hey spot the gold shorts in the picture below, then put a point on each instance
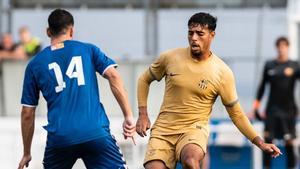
(167, 148)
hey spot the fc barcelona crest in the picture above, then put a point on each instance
(203, 84)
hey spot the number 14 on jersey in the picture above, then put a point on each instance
(74, 70)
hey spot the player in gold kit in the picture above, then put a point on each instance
(194, 78)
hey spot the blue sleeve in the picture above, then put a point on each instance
(101, 61)
(30, 94)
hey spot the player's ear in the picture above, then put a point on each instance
(212, 34)
(48, 32)
(71, 31)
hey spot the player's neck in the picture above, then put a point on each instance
(60, 39)
(282, 59)
(203, 56)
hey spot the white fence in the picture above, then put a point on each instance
(11, 143)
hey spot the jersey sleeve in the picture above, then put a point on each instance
(230, 101)
(144, 82)
(30, 94)
(158, 68)
(241, 121)
(263, 82)
(227, 90)
(101, 61)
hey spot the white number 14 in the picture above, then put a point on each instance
(74, 71)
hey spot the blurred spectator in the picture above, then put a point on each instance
(280, 74)
(10, 50)
(30, 44)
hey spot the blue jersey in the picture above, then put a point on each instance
(66, 76)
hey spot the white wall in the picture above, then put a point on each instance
(120, 32)
(13, 74)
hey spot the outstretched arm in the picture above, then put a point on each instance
(229, 98)
(117, 88)
(27, 125)
(243, 124)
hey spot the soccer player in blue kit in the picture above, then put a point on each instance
(78, 127)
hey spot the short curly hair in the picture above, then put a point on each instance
(204, 19)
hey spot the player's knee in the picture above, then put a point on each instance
(191, 156)
(190, 163)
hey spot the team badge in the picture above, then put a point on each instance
(288, 71)
(203, 84)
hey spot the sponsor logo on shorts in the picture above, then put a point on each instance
(151, 153)
(287, 136)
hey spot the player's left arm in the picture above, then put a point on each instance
(106, 67)
(297, 70)
(27, 125)
(229, 98)
(118, 89)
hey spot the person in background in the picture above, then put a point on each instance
(9, 49)
(31, 45)
(280, 74)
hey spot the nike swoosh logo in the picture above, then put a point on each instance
(173, 74)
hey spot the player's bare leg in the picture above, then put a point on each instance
(155, 164)
(191, 156)
(205, 161)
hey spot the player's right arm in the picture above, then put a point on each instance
(27, 126)
(30, 97)
(143, 123)
(156, 71)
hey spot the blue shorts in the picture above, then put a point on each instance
(101, 153)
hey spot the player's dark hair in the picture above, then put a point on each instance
(58, 21)
(282, 39)
(204, 19)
